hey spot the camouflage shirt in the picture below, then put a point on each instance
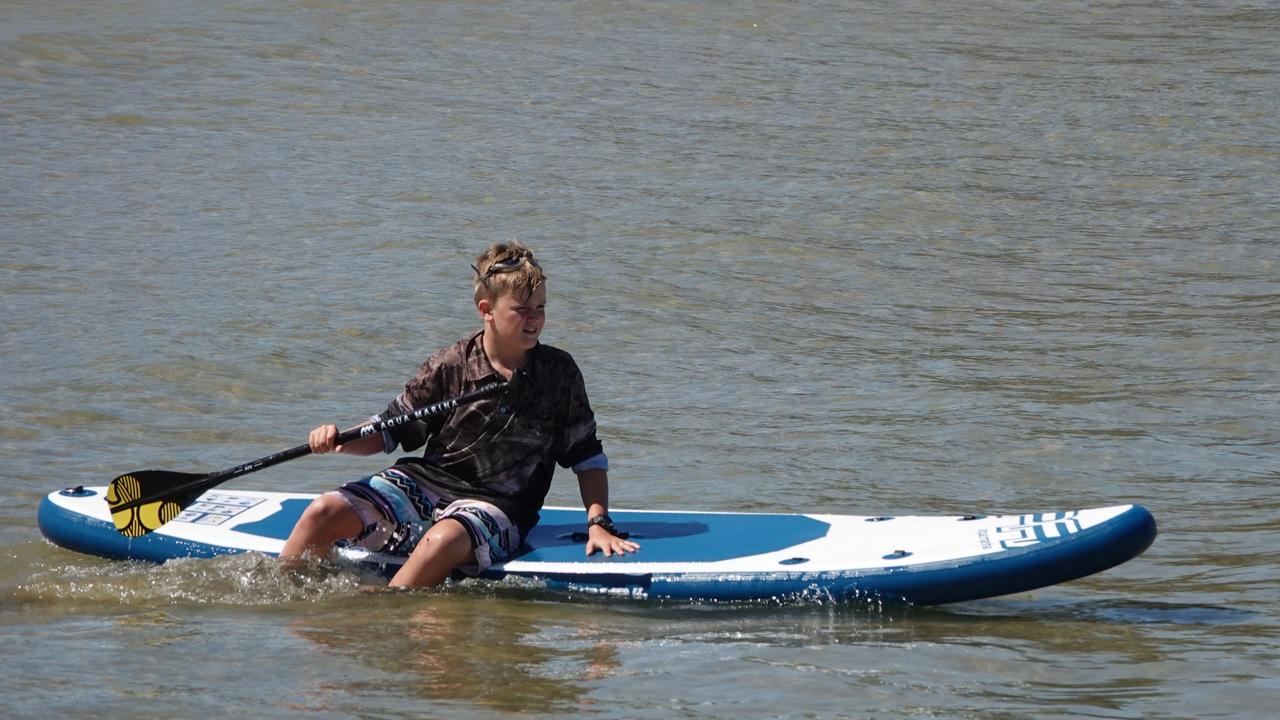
(501, 449)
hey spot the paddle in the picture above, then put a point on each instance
(144, 500)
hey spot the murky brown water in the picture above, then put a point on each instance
(910, 257)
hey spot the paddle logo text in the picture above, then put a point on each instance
(1032, 530)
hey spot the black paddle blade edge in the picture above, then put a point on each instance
(143, 500)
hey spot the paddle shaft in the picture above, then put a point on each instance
(214, 479)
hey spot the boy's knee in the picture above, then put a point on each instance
(327, 510)
(327, 519)
(451, 539)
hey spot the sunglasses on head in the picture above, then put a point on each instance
(510, 264)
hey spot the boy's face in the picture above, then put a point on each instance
(516, 321)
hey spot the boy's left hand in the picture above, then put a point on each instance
(600, 539)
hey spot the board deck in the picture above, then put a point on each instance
(688, 556)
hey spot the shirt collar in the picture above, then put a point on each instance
(478, 366)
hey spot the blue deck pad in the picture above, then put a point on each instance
(279, 524)
(663, 536)
(674, 537)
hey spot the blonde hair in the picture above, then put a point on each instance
(506, 268)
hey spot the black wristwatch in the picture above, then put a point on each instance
(603, 521)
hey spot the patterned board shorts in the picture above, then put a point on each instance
(397, 512)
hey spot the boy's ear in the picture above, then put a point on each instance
(485, 306)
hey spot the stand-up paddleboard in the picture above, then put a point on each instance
(687, 556)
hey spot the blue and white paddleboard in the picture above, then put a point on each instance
(688, 556)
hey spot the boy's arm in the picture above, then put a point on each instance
(594, 486)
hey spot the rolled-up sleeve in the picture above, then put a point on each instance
(595, 462)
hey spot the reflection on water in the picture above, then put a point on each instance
(504, 655)
(341, 648)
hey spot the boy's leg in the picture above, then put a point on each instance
(326, 520)
(445, 547)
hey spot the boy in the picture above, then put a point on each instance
(473, 496)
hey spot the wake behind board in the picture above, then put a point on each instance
(687, 556)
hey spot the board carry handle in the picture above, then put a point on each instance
(142, 501)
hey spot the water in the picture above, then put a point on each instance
(868, 258)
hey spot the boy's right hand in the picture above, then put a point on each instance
(322, 439)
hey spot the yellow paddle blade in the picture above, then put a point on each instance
(134, 519)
